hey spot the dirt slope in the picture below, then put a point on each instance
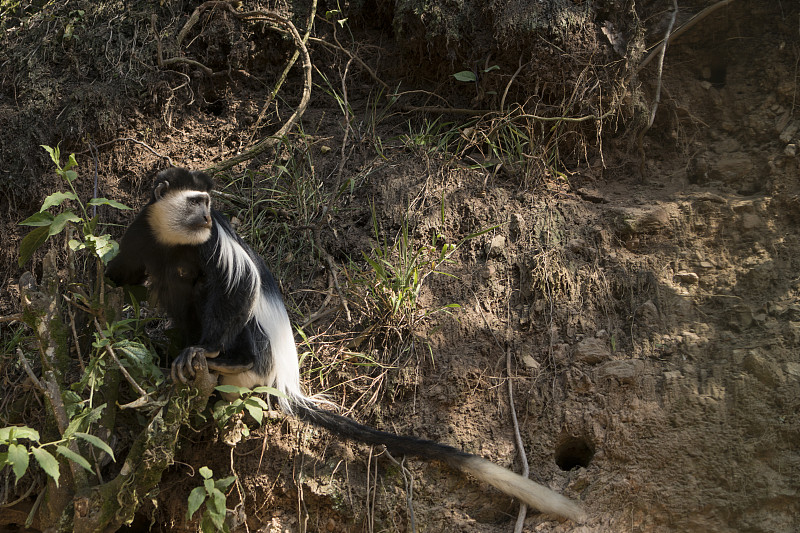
(651, 319)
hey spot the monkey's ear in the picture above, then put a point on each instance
(160, 189)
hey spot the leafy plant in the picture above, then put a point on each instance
(49, 225)
(17, 454)
(211, 493)
(472, 75)
(245, 401)
(121, 339)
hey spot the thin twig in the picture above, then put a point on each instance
(347, 127)
(444, 110)
(663, 49)
(661, 63)
(508, 86)
(680, 31)
(23, 497)
(352, 56)
(317, 230)
(28, 370)
(141, 401)
(321, 313)
(463, 111)
(93, 149)
(274, 139)
(195, 18)
(122, 369)
(78, 354)
(130, 139)
(287, 68)
(523, 509)
(408, 479)
(174, 60)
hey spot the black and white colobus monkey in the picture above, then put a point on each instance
(224, 300)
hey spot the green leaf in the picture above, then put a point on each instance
(38, 219)
(207, 524)
(255, 411)
(258, 401)
(209, 485)
(18, 459)
(61, 220)
(106, 248)
(96, 442)
(109, 252)
(218, 502)
(228, 389)
(18, 432)
(74, 425)
(103, 245)
(465, 75)
(48, 463)
(55, 153)
(74, 457)
(57, 198)
(206, 472)
(136, 352)
(196, 499)
(95, 414)
(70, 175)
(493, 67)
(73, 163)
(83, 420)
(100, 342)
(31, 242)
(224, 483)
(106, 201)
(72, 402)
(269, 390)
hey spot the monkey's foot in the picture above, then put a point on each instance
(189, 363)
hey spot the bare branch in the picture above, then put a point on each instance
(122, 369)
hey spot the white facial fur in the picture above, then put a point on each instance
(169, 215)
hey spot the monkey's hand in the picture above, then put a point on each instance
(189, 363)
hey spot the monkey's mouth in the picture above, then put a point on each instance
(198, 226)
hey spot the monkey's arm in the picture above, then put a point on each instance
(228, 306)
(223, 330)
(128, 267)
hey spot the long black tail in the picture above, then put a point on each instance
(505, 480)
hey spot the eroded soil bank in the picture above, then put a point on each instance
(646, 312)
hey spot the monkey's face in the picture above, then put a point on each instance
(181, 216)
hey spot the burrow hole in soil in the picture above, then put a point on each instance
(572, 452)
